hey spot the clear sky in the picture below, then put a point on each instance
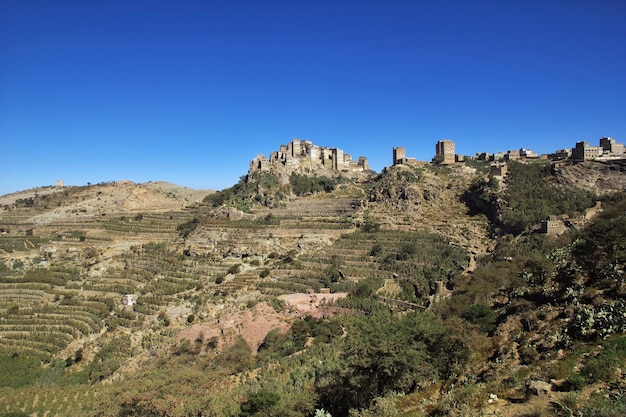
(189, 91)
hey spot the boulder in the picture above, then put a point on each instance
(538, 388)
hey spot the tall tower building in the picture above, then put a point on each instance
(296, 150)
(611, 148)
(399, 154)
(445, 152)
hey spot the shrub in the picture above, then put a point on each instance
(575, 382)
(377, 249)
(529, 197)
(370, 226)
(187, 228)
(605, 366)
(600, 405)
(237, 358)
(184, 348)
(482, 315)
(305, 184)
(259, 403)
(16, 414)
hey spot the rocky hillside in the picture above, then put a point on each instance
(410, 198)
(600, 177)
(100, 199)
(397, 295)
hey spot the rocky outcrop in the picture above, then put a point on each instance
(601, 177)
(538, 388)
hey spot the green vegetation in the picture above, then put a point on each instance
(23, 368)
(302, 185)
(481, 315)
(530, 197)
(260, 188)
(417, 258)
(390, 354)
(185, 229)
(482, 167)
(21, 243)
(265, 188)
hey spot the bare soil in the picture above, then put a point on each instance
(253, 325)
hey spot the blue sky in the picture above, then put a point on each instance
(190, 91)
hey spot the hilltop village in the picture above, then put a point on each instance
(302, 156)
(305, 157)
(445, 153)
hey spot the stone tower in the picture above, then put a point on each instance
(399, 155)
(445, 152)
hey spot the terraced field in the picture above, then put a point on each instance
(65, 281)
(48, 401)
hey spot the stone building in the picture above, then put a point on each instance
(610, 148)
(400, 158)
(512, 155)
(482, 156)
(304, 156)
(399, 154)
(591, 212)
(560, 155)
(584, 152)
(445, 152)
(497, 156)
(528, 153)
(499, 169)
(553, 225)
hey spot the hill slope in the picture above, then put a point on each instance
(206, 309)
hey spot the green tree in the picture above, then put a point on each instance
(334, 269)
(237, 358)
(260, 404)
(382, 354)
(603, 245)
(481, 315)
